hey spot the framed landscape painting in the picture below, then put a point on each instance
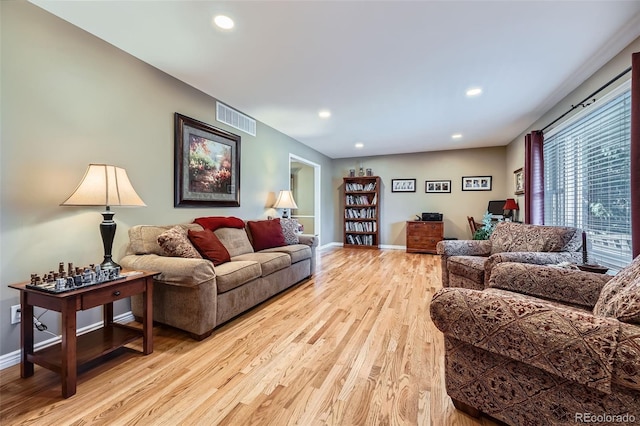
(206, 165)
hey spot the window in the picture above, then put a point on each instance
(587, 178)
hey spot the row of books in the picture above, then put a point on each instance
(360, 240)
(360, 200)
(366, 213)
(361, 226)
(354, 186)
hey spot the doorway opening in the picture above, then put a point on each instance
(305, 186)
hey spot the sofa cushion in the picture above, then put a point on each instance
(143, 239)
(471, 267)
(234, 274)
(297, 252)
(235, 240)
(266, 234)
(510, 237)
(216, 222)
(269, 262)
(175, 243)
(209, 246)
(620, 297)
(290, 230)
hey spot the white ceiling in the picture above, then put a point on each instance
(393, 73)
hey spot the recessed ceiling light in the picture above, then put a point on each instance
(223, 22)
(456, 136)
(359, 145)
(325, 113)
(474, 91)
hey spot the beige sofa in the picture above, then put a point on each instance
(195, 296)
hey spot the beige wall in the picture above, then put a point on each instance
(397, 208)
(69, 99)
(622, 61)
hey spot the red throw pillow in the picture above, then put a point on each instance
(209, 246)
(215, 222)
(266, 234)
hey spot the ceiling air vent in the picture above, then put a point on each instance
(235, 119)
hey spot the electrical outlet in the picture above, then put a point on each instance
(15, 314)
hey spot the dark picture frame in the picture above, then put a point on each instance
(403, 185)
(206, 165)
(476, 183)
(437, 186)
(518, 181)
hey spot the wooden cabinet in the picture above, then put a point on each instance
(422, 237)
(361, 211)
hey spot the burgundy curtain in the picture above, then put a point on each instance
(635, 153)
(533, 178)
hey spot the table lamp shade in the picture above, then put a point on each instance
(285, 201)
(104, 185)
(510, 204)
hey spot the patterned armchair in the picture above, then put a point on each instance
(468, 263)
(544, 345)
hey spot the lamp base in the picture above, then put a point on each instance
(108, 232)
(109, 264)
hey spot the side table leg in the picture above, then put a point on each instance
(147, 317)
(26, 335)
(69, 370)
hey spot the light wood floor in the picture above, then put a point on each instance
(352, 346)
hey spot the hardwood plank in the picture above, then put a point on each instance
(352, 346)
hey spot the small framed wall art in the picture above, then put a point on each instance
(403, 185)
(437, 186)
(518, 181)
(476, 183)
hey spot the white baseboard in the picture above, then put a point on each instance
(382, 246)
(13, 358)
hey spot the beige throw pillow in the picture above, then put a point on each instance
(175, 243)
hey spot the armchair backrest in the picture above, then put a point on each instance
(620, 297)
(511, 237)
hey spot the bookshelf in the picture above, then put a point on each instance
(361, 212)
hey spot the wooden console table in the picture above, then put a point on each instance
(74, 351)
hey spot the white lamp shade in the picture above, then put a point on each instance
(285, 201)
(104, 185)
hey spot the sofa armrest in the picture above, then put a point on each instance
(549, 282)
(173, 270)
(566, 342)
(308, 240)
(533, 257)
(311, 241)
(464, 247)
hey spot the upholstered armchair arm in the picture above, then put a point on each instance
(464, 247)
(549, 282)
(566, 342)
(173, 270)
(534, 257)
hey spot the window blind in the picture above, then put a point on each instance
(587, 180)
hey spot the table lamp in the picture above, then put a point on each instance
(105, 185)
(512, 206)
(285, 201)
